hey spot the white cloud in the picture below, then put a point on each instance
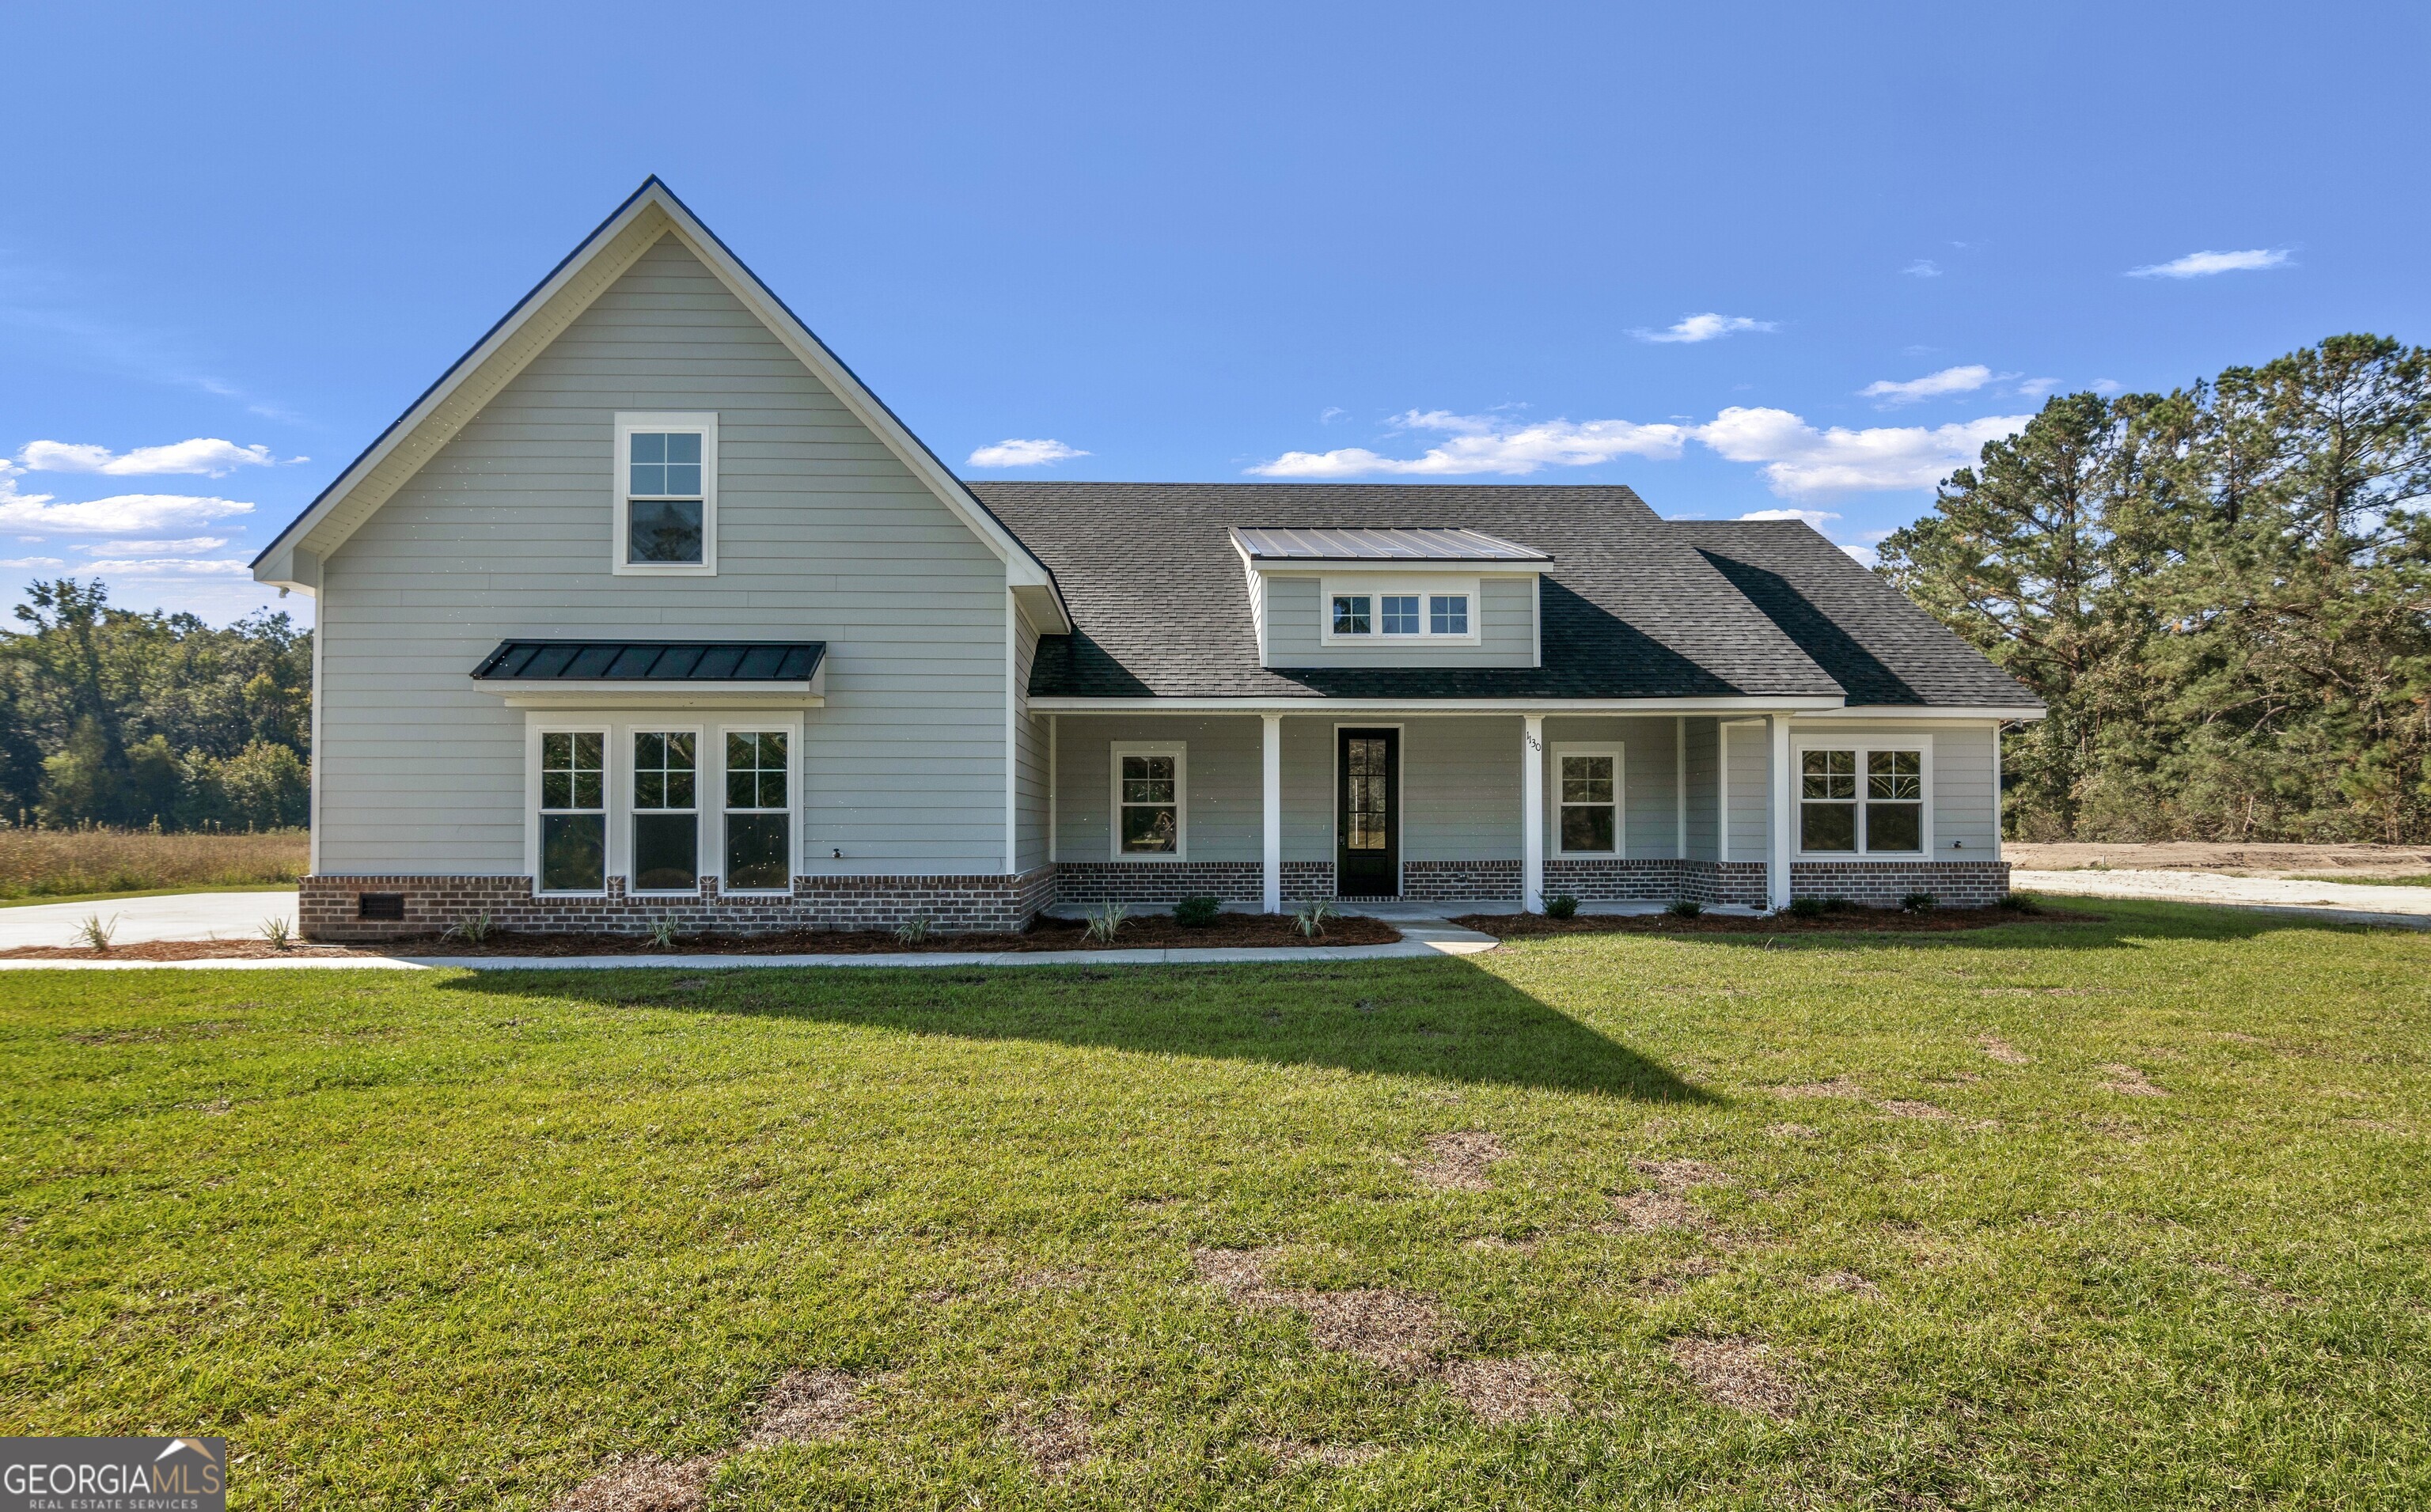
(1481, 445)
(1863, 556)
(172, 567)
(1331, 413)
(31, 562)
(2036, 388)
(2203, 264)
(1705, 328)
(121, 514)
(1015, 453)
(2108, 385)
(1923, 268)
(193, 546)
(1813, 517)
(202, 454)
(1965, 379)
(1801, 462)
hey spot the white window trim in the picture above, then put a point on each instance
(533, 730)
(1376, 588)
(794, 835)
(1180, 751)
(632, 784)
(1619, 753)
(705, 424)
(1864, 745)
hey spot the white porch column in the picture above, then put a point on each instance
(1532, 810)
(1784, 809)
(1274, 813)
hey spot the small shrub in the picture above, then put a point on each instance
(1103, 920)
(1312, 918)
(2020, 903)
(1838, 905)
(474, 929)
(94, 935)
(1917, 903)
(1809, 907)
(663, 933)
(1684, 908)
(280, 933)
(1197, 913)
(1560, 905)
(914, 932)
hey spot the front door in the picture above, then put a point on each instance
(1367, 837)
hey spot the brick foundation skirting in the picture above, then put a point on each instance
(330, 906)
(1163, 883)
(1883, 884)
(1459, 881)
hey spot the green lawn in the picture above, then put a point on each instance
(452, 1240)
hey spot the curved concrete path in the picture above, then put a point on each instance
(176, 917)
(2408, 907)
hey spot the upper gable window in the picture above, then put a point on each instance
(666, 495)
(1359, 612)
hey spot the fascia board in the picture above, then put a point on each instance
(1543, 706)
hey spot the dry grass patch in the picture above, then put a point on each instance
(2128, 1082)
(1840, 1086)
(1054, 1443)
(1737, 1373)
(1910, 1108)
(1995, 1047)
(1848, 1281)
(1647, 1212)
(1789, 1131)
(643, 1483)
(1508, 1390)
(805, 1406)
(1460, 1162)
(69, 863)
(1286, 1453)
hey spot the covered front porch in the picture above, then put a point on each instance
(1425, 806)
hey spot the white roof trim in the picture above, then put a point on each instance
(446, 406)
(1314, 705)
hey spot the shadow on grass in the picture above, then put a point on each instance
(1443, 1018)
(2110, 924)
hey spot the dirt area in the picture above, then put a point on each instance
(2234, 860)
(1849, 919)
(1054, 1443)
(1459, 1162)
(1148, 930)
(802, 1408)
(1737, 1373)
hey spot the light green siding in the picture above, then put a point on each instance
(822, 534)
(1506, 627)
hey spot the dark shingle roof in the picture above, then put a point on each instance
(1873, 640)
(652, 661)
(1160, 605)
(1634, 607)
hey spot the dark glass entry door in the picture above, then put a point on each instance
(1367, 824)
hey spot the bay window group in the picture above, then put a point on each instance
(665, 804)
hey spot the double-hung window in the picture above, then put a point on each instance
(1150, 814)
(1400, 613)
(666, 495)
(759, 828)
(1588, 789)
(573, 811)
(666, 815)
(1448, 613)
(1861, 800)
(1351, 615)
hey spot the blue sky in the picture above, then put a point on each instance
(1741, 258)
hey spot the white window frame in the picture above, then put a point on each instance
(794, 841)
(1619, 753)
(1375, 588)
(533, 784)
(631, 788)
(1864, 745)
(1180, 751)
(702, 423)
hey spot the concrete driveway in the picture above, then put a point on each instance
(2405, 905)
(178, 916)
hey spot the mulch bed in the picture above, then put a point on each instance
(1145, 932)
(1851, 920)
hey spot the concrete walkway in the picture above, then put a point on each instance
(1425, 933)
(2407, 907)
(178, 916)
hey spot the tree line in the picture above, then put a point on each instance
(2224, 593)
(143, 719)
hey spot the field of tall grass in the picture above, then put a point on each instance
(76, 863)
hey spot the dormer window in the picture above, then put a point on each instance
(1419, 612)
(667, 496)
